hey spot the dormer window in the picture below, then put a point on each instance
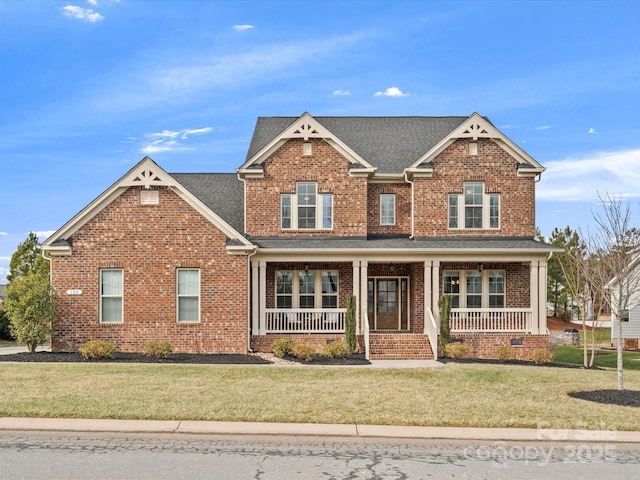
(474, 209)
(307, 209)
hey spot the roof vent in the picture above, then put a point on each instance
(306, 148)
(473, 148)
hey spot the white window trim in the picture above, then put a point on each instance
(319, 207)
(111, 296)
(317, 288)
(178, 296)
(462, 294)
(486, 211)
(391, 196)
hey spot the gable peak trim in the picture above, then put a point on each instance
(148, 174)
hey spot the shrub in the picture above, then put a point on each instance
(444, 304)
(503, 353)
(457, 350)
(97, 349)
(282, 347)
(542, 356)
(304, 352)
(336, 350)
(5, 330)
(350, 323)
(157, 349)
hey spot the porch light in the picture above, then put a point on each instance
(392, 267)
(480, 267)
(306, 267)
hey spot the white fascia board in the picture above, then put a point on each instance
(388, 178)
(58, 251)
(304, 127)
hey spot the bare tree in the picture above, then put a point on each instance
(619, 244)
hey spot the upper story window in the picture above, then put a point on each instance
(474, 209)
(387, 209)
(111, 292)
(307, 209)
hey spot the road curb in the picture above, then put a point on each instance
(313, 429)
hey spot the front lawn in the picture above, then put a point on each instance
(471, 395)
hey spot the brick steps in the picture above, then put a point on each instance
(399, 346)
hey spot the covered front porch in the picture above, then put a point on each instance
(397, 300)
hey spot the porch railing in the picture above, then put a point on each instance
(490, 320)
(305, 320)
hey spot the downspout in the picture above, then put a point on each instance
(406, 179)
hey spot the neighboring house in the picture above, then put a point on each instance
(395, 210)
(629, 291)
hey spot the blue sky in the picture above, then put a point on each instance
(88, 88)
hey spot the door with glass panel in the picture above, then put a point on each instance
(388, 304)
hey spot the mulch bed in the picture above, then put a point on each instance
(356, 359)
(625, 398)
(120, 357)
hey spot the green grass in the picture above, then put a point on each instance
(604, 358)
(470, 395)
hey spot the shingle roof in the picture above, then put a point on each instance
(389, 143)
(223, 193)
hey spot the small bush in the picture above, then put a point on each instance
(97, 349)
(5, 330)
(157, 349)
(282, 347)
(542, 356)
(304, 352)
(335, 349)
(503, 353)
(457, 350)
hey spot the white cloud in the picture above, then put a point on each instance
(544, 127)
(341, 93)
(4, 233)
(242, 28)
(44, 234)
(580, 179)
(168, 140)
(92, 2)
(391, 92)
(592, 130)
(82, 13)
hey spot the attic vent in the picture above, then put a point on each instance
(149, 197)
(473, 148)
(306, 148)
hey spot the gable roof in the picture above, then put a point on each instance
(391, 145)
(146, 174)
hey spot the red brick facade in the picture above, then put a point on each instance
(149, 243)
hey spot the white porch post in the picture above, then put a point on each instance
(356, 292)
(262, 266)
(435, 290)
(428, 288)
(542, 297)
(255, 298)
(363, 284)
(534, 286)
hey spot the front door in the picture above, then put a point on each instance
(388, 304)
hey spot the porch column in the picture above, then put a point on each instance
(255, 297)
(363, 285)
(355, 288)
(263, 297)
(428, 288)
(435, 290)
(542, 297)
(534, 283)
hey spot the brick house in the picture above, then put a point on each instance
(395, 210)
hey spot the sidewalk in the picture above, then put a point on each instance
(310, 429)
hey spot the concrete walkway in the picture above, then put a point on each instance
(309, 429)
